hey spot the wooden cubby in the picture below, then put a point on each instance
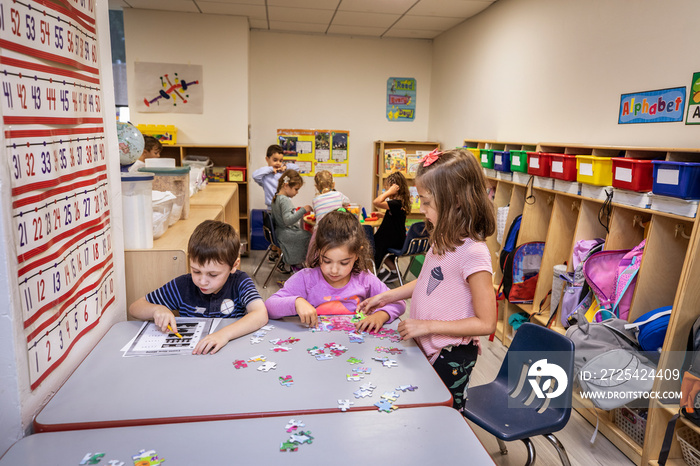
(669, 273)
(379, 176)
(221, 156)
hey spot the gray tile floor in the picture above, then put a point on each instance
(575, 436)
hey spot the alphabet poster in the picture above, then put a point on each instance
(693, 115)
(54, 142)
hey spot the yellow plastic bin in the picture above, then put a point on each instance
(166, 134)
(594, 170)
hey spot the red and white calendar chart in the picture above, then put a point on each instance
(54, 144)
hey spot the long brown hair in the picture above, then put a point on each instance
(337, 229)
(290, 177)
(464, 210)
(403, 194)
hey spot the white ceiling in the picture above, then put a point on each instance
(412, 19)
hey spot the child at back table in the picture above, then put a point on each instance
(337, 280)
(328, 199)
(293, 240)
(215, 288)
(268, 176)
(452, 301)
(396, 200)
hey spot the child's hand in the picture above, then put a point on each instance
(370, 304)
(308, 208)
(306, 312)
(393, 189)
(163, 317)
(372, 322)
(412, 328)
(210, 344)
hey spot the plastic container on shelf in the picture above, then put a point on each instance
(518, 161)
(216, 174)
(177, 181)
(162, 203)
(160, 162)
(594, 170)
(677, 179)
(501, 160)
(633, 174)
(689, 441)
(539, 163)
(486, 158)
(235, 173)
(563, 167)
(166, 134)
(475, 151)
(632, 422)
(137, 210)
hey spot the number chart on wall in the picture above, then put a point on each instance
(54, 142)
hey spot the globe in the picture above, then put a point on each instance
(130, 143)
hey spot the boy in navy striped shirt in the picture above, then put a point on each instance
(214, 288)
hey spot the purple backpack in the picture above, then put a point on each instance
(612, 276)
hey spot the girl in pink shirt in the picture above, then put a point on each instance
(453, 300)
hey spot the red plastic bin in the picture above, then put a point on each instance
(633, 174)
(563, 167)
(539, 163)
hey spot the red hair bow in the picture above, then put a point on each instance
(431, 157)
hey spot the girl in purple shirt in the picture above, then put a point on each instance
(337, 279)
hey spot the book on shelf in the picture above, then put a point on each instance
(394, 161)
(412, 163)
(415, 200)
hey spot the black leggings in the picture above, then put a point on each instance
(454, 368)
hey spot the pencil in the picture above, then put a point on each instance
(171, 331)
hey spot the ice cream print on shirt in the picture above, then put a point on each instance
(227, 307)
(435, 279)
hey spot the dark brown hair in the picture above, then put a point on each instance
(291, 177)
(464, 210)
(403, 194)
(274, 149)
(214, 241)
(337, 229)
(150, 143)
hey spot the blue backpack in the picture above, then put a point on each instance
(510, 242)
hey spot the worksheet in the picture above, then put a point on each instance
(150, 341)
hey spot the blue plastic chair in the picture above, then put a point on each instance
(269, 232)
(509, 407)
(416, 243)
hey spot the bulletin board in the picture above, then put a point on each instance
(54, 142)
(316, 149)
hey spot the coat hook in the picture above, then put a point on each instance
(550, 199)
(681, 229)
(575, 206)
(637, 220)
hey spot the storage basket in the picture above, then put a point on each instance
(633, 174)
(166, 134)
(563, 167)
(216, 174)
(518, 161)
(690, 445)
(594, 170)
(235, 173)
(475, 151)
(177, 181)
(632, 422)
(501, 160)
(486, 158)
(539, 163)
(677, 179)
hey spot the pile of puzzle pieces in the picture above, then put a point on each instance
(142, 458)
(296, 437)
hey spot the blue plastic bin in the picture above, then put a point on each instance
(676, 179)
(257, 237)
(501, 160)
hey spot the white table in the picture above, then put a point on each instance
(108, 390)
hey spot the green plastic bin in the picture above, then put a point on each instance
(486, 158)
(518, 161)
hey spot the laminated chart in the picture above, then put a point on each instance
(150, 341)
(54, 143)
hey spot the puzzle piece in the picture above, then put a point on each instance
(289, 446)
(267, 366)
(293, 424)
(258, 358)
(313, 351)
(275, 341)
(363, 371)
(286, 380)
(356, 337)
(290, 340)
(147, 458)
(362, 393)
(344, 405)
(390, 363)
(239, 363)
(404, 388)
(323, 357)
(115, 463)
(301, 437)
(369, 386)
(354, 377)
(267, 327)
(381, 359)
(390, 396)
(91, 458)
(282, 349)
(385, 406)
(391, 350)
(260, 333)
(254, 340)
(354, 360)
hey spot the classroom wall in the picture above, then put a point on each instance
(331, 82)
(553, 71)
(217, 42)
(18, 404)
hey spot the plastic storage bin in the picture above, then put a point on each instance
(594, 170)
(689, 441)
(137, 210)
(518, 161)
(475, 151)
(632, 422)
(539, 163)
(677, 179)
(235, 173)
(216, 174)
(633, 174)
(486, 158)
(563, 167)
(177, 181)
(166, 134)
(501, 160)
